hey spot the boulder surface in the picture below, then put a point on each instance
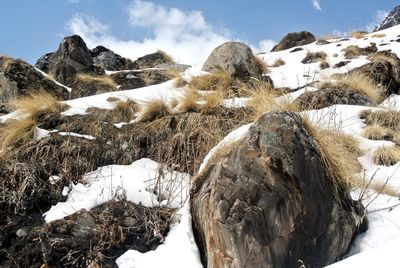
(293, 40)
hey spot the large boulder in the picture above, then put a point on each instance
(293, 40)
(392, 19)
(109, 60)
(20, 78)
(136, 79)
(72, 57)
(237, 59)
(152, 60)
(271, 202)
(330, 96)
(384, 69)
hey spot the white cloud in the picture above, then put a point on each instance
(316, 5)
(185, 35)
(264, 46)
(378, 18)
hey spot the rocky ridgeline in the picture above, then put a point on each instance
(392, 19)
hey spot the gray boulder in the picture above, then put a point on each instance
(293, 40)
(109, 60)
(391, 20)
(270, 202)
(71, 58)
(235, 58)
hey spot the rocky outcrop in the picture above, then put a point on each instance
(293, 40)
(71, 58)
(330, 96)
(391, 20)
(237, 59)
(109, 60)
(92, 86)
(20, 78)
(43, 62)
(271, 202)
(136, 79)
(384, 69)
(152, 60)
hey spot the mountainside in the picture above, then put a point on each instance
(289, 158)
(391, 20)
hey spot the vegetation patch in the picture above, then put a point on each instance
(387, 156)
(312, 57)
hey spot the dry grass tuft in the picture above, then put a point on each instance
(387, 156)
(175, 74)
(312, 57)
(261, 64)
(338, 153)
(377, 132)
(16, 132)
(217, 81)
(211, 101)
(356, 82)
(154, 109)
(6, 61)
(38, 105)
(351, 52)
(358, 35)
(124, 111)
(389, 119)
(278, 62)
(103, 80)
(324, 65)
(378, 35)
(188, 102)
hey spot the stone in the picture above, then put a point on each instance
(152, 60)
(294, 39)
(271, 202)
(109, 60)
(43, 62)
(392, 19)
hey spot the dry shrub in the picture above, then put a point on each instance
(338, 153)
(388, 119)
(188, 102)
(358, 34)
(378, 35)
(377, 132)
(175, 74)
(153, 109)
(211, 101)
(112, 99)
(16, 132)
(124, 111)
(96, 80)
(387, 156)
(38, 105)
(278, 62)
(356, 82)
(324, 65)
(217, 81)
(260, 64)
(6, 61)
(352, 52)
(381, 58)
(314, 57)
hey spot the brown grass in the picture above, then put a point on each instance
(217, 81)
(377, 132)
(389, 118)
(16, 132)
(356, 82)
(261, 64)
(278, 62)
(6, 61)
(324, 65)
(38, 105)
(314, 57)
(339, 155)
(357, 34)
(98, 80)
(212, 101)
(378, 35)
(154, 109)
(175, 74)
(124, 111)
(387, 156)
(351, 52)
(188, 102)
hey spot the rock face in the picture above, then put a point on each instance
(152, 60)
(329, 96)
(109, 60)
(391, 20)
(82, 88)
(72, 57)
(43, 62)
(384, 69)
(235, 58)
(19, 78)
(271, 202)
(293, 40)
(136, 79)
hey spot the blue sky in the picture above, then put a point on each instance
(188, 29)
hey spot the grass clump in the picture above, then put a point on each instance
(358, 34)
(16, 132)
(217, 81)
(279, 62)
(389, 119)
(188, 102)
(324, 65)
(211, 101)
(377, 132)
(378, 35)
(100, 80)
(153, 109)
(260, 64)
(356, 82)
(124, 111)
(387, 156)
(312, 57)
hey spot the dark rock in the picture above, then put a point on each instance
(341, 64)
(20, 78)
(391, 20)
(71, 58)
(151, 60)
(351, 52)
(294, 40)
(136, 79)
(43, 62)
(384, 69)
(91, 86)
(296, 49)
(330, 96)
(109, 60)
(270, 202)
(321, 42)
(236, 59)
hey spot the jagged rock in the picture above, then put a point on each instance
(72, 57)
(136, 79)
(341, 64)
(293, 40)
(384, 69)
(329, 96)
(152, 60)
(391, 20)
(109, 60)
(271, 202)
(19, 78)
(235, 58)
(93, 86)
(43, 62)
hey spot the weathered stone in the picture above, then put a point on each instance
(271, 202)
(151, 60)
(293, 40)
(43, 62)
(236, 59)
(109, 60)
(136, 79)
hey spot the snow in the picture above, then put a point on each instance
(72, 134)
